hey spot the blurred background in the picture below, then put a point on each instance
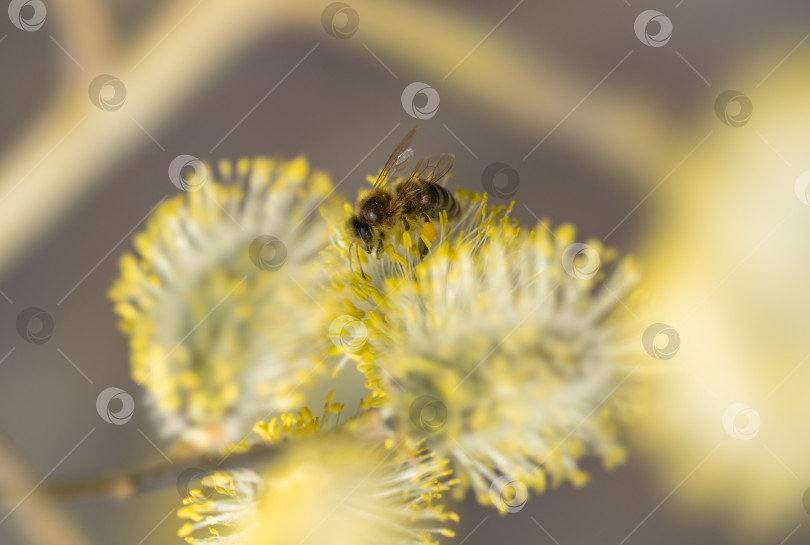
(674, 130)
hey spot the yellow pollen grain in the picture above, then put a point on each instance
(429, 232)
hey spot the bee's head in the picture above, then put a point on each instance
(361, 232)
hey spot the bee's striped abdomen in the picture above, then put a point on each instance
(441, 199)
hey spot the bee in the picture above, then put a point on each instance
(416, 196)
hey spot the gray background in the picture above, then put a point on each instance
(335, 108)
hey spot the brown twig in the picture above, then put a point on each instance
(122, 485)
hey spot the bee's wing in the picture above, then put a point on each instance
(432, 169)
(404, 197)
(427, 171)
(400, 168)
(398, 160)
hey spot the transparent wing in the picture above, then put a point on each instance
(400, 168)
(432, 169)
(428, 171)
(398, 160)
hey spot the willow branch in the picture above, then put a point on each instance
(125, 484)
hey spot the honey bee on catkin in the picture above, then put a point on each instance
(399, 200)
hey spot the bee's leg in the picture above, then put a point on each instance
(427, 218)
(359, 263)
(405, 224)
(423, 249)
(380, 248)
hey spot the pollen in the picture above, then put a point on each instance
(429, 231)
(327, 488)
(224, 301)
(497, 353)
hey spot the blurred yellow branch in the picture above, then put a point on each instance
(87, 34)
(74, 145)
